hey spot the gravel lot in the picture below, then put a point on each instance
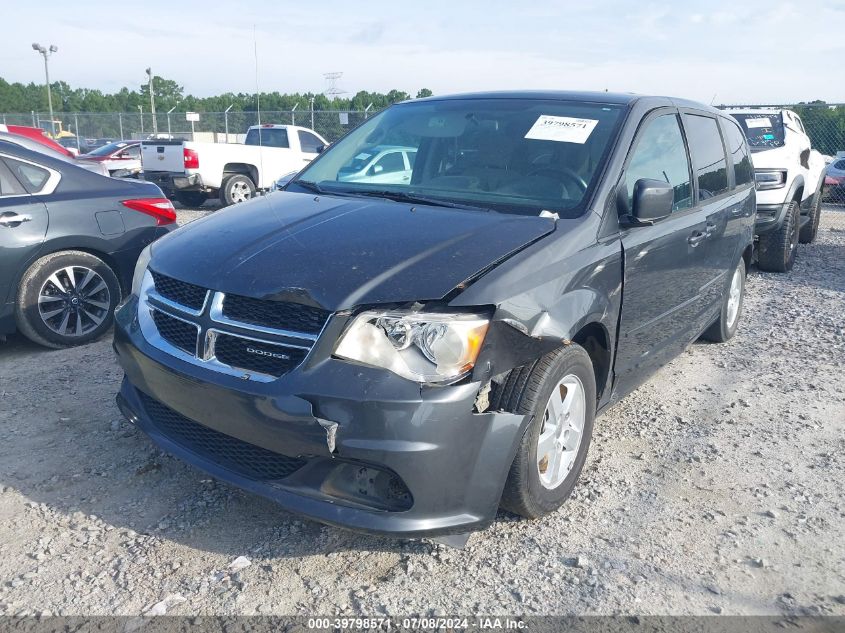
(715, 488)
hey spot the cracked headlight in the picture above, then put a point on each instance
(423, 347)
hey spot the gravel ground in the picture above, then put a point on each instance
(715, 488)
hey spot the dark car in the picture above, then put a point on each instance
(406, 358)
(69, 241)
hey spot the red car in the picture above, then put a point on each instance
(36, 134)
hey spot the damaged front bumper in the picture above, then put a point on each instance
(343, 444)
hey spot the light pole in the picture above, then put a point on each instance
(141, 116)
(46, 52)
(152, 101)
(226, 121)
(168, 120)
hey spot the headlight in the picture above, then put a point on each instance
(769, 179)
(141, 268)
(423, 347)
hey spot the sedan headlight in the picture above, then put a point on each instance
(141, 268)
(769, 179)
(423, 347)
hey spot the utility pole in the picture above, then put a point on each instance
(141, 116)
(226, 121)
(46, 52)
(152, 101)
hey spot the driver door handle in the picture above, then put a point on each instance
(696, 238)
(12, 220)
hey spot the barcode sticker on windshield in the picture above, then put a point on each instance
(563, 129)
(761, 122)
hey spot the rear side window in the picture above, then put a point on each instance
(309, 142)
(31, 176)
(9, 185)
(738, 153)
(267, 137)
(660, 154)
(708, 155)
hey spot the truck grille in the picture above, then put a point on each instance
(279, 315)
(236, 455)
(180, 292)
(177, 332)
(265, 358)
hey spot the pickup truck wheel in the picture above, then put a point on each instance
(777, 248)
(191, 198)
(559, 392)
(66, 298)
(809, 231)
(726, 325)
(237, 188)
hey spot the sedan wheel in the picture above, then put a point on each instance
(74, 301)
(66, 298)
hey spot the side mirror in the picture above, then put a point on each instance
(377, 169)
(321, 149)
(653, 200)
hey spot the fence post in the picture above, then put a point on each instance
(120, 124)
(76, 131)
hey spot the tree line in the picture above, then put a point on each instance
(21, 98)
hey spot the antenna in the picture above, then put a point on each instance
(332, 89)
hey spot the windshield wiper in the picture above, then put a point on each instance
(412, 198)
(308, 185)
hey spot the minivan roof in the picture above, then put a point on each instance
(616, 98)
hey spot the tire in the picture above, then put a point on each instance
(191, 198)
(235, 189)
(777, 248)
(808, 232)
(724, 328)
(528, 390)
(76, 322)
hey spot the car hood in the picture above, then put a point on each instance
(337, 253)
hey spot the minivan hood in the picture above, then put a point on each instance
(336, 253)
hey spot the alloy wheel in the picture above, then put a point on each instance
(561, 431)
(74, 301)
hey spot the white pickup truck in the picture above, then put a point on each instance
(190, 172)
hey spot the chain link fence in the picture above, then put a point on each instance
(211, 126)
(824, 123)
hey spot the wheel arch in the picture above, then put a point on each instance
(243, 169)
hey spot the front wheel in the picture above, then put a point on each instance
(726, 325)
(66, 298)
(559, 392)
(777, 248)
(236, 188)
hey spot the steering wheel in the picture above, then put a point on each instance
(557, 172)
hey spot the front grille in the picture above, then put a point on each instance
(261, 357)
(176, 332)
(278, 315)
(179, 291)
(238, 456)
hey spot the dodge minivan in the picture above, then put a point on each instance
(405, 358)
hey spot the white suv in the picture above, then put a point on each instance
(789, 175)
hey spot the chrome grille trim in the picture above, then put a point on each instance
(150, 300)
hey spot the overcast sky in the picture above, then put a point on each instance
(740, 51)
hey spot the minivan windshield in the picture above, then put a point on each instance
(509, 155)
(763, 131)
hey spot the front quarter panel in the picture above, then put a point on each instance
(546, 294)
